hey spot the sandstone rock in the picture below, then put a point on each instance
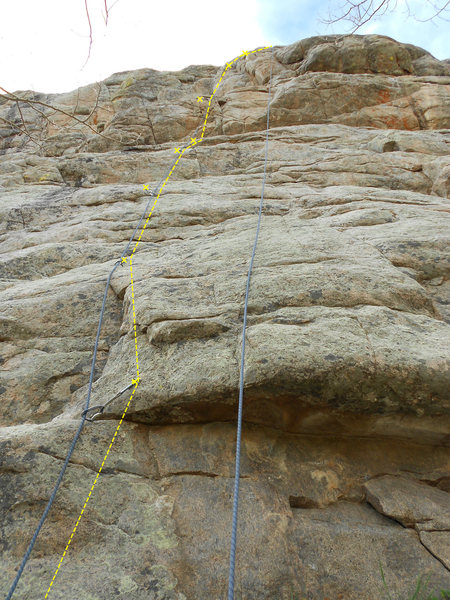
(345, 458)
(428, 65)
(411, 503)
(438, 543)
(360, 54)
(415, 505)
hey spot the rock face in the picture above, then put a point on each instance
(345, 449)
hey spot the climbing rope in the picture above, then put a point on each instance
(87, 409)
(241, 378)
(84, 414)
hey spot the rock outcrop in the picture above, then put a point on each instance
(345, 450)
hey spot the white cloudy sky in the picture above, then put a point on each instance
(44, 43)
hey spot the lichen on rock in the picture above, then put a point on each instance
(345, 456)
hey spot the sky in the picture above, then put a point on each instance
(44, 44)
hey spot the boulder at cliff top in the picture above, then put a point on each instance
(345, 458)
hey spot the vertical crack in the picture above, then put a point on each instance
(432, 554)
(150, 121)
(418, 113)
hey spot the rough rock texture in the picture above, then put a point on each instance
(345, 455)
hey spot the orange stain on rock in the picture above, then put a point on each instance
(384, 96)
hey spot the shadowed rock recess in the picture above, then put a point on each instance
(345, 450)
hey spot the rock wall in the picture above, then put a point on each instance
(345, 450)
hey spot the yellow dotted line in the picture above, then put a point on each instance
(91, 490)
(136, 381)
(134, 316)
(193, 140)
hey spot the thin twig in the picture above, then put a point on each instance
(90, 32)
(107, 13)
(22, 130)
(14, 98)
(23, 120)
(384, 3)
(96, 103)
(437, 14)
(360, 13)
(78, 99)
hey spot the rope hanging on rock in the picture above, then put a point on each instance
(71, 449)
(86, 410)
(241, 379)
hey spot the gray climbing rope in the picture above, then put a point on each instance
(88, 398)
(71, 449)
(241, 378)
(84, 417)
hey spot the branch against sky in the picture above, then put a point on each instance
(21, 127)
(88, 17)
(358, 13)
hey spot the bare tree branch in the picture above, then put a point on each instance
(361, 12)
(22, 129)
(32, 103)
(52, 110)
(108, 10)
(105, 18)
(90, 32)
(438, 13)
(95, 105)
(23, 120)
(107, 13)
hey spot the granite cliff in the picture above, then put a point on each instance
(345, 456)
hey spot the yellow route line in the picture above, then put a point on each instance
(136, 381)
(194, 141)
(91, 490)
(134, 317)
